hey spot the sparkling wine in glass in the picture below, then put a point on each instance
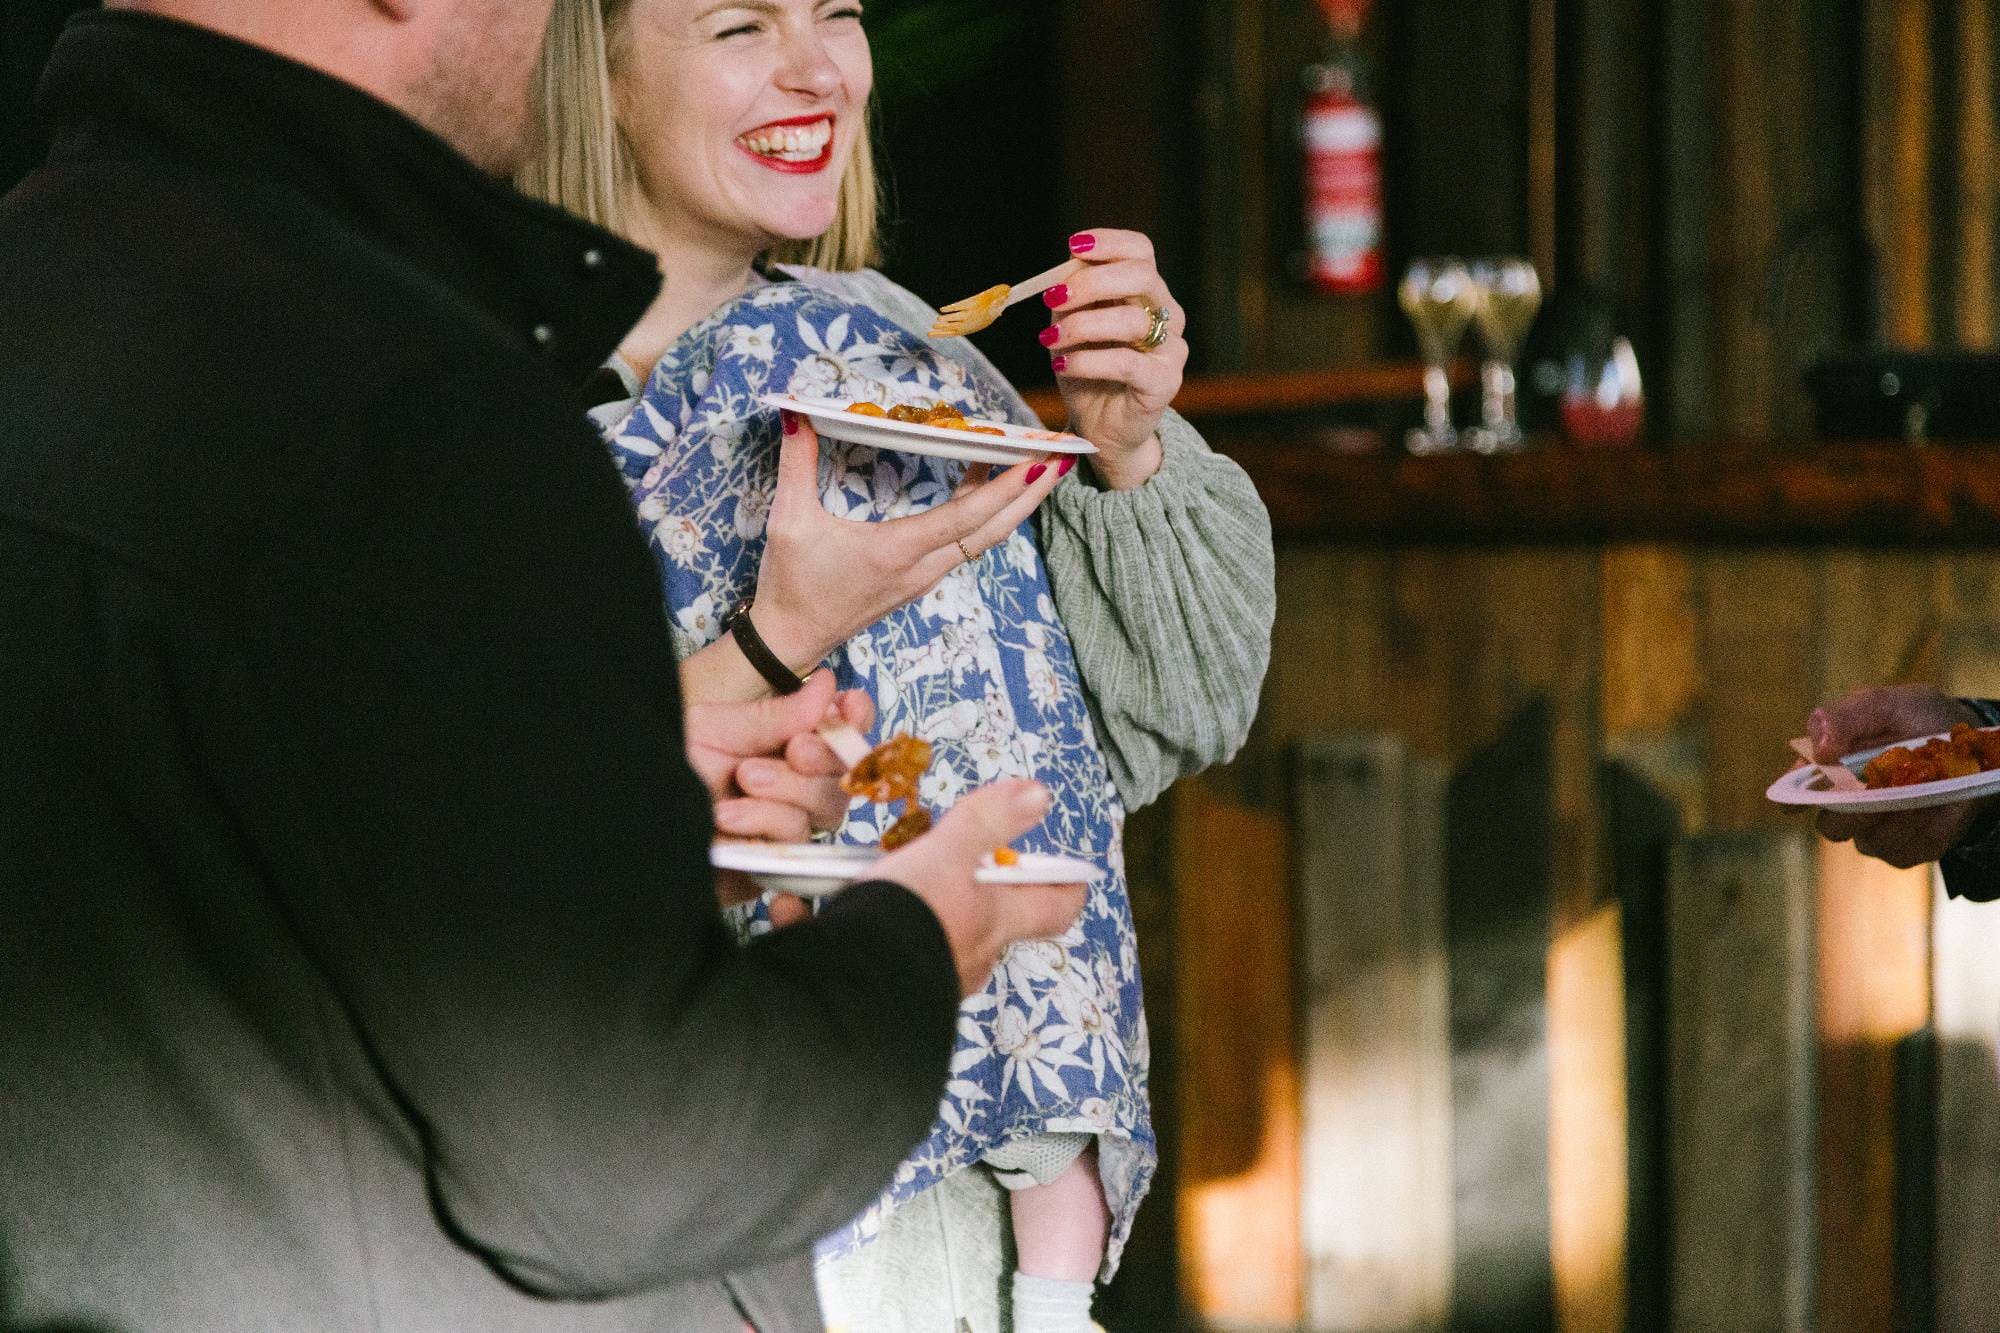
(1510, 295)
(1440, 300)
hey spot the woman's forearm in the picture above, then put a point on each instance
(721, 674)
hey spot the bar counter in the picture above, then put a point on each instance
(1883, 494)
(1891, 495)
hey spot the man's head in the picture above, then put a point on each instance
(462, 68)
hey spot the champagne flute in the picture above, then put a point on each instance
(1440, 300)
(1510, 295)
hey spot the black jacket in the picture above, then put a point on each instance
(359, 961)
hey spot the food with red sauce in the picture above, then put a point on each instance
(941, 415)
(1968, 750)
(889, 773)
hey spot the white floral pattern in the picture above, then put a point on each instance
(980, 666)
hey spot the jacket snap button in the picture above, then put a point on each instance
(593, 260)
(545, 337)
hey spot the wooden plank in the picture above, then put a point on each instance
(1652, 668)
(1690, 363)
(1431, 653)
(1873, 928)
(1978, 193)
(1760, 647)
(1747, 217)
(1741, 1042)
(1898, 179)
(1204, 398)
(1327, 647)
(1145, 1293)
(1376, 1039)
(1230, 103)
(1543, 182)
(1711, 495)
(1645, 822)
(1237, 1090)
(1881, 620)
(1965, 1280)
(1539, 639)
(1588, 1151)
(1965, 1016)
(1652, 675)
(1499, 859)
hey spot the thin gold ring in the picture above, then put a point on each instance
(1156, 334)
(960, 544)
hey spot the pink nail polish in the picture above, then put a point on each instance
(1035, 472)
(1082, 243)
(1057, 296)
(1051, 335)
(791, 422)
(1059, 364)
(1063, 468)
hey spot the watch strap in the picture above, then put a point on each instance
(779, 676)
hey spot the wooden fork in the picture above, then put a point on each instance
(976, 312)
(1839, 776)
(848, 745)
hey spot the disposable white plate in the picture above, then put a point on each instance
(812, 869)
(1807, 786)
(1017, 444)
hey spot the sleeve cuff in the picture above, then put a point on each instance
(1183, 478)
(908, 926)
(1972, 869)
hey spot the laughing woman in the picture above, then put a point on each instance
(1106, 632)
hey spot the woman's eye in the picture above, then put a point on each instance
(740, 30)
(850, 12)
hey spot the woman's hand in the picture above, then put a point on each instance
(824, 579)
(1116, 390)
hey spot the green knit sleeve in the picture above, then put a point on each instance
(1168, 592)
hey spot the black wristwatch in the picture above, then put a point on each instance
(781, 677)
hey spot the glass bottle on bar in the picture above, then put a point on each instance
(1340, 135)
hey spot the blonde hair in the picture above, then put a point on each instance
(583, 161)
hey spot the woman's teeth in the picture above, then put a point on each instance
(790, 143)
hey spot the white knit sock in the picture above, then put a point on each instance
(1050, 1305)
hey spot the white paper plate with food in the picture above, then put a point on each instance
(1914, 774)
(814, 869)
(929, 428)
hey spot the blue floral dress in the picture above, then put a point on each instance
(980, 667)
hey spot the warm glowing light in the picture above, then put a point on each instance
(1588, 1188)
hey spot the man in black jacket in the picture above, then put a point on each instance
(360, 965)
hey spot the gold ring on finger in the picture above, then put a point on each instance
(1156, 333)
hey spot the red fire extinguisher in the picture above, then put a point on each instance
(1342, 137)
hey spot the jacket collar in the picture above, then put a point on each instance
(123, 84)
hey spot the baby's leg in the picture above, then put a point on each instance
(1060, 1228)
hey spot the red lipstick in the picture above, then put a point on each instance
(808, 167)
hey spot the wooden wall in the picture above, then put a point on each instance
(1602, 723)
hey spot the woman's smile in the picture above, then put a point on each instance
(802, 145)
